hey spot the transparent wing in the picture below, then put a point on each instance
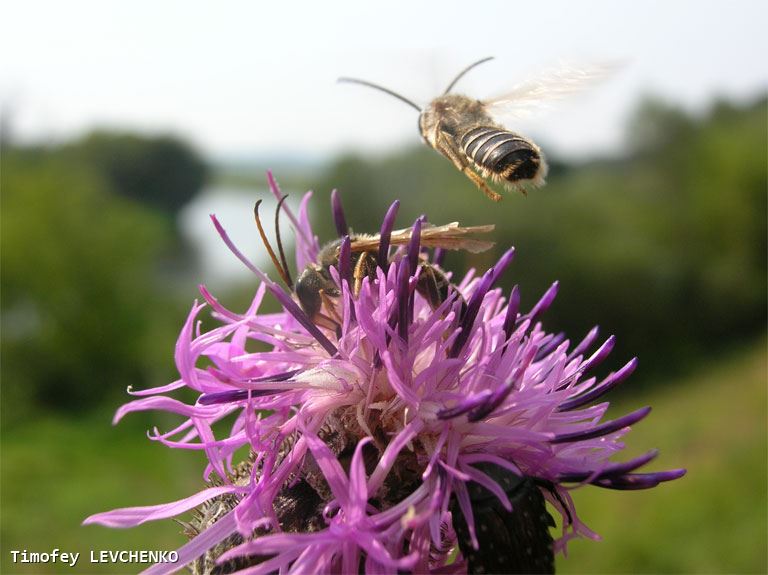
(536, 93)
(449, 236)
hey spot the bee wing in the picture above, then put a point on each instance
(454, 237)
(535, 93)
(449, 236)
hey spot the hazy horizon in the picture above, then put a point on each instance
(260, 80)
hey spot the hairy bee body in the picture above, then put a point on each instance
(316, 283)
(502, 155)
(461, 129)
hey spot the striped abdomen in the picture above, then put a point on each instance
(502, 153)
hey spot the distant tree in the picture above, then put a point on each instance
(655, 124)
(163, 171)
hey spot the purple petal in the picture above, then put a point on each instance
(634, 481)
(231, 245)
(345, 259)
(216, 533)
(543, 304)
(599, 390)
(395, 445)
(307, 249)
(284, 299)
(631, 465)
(163, 404)
(284, 376)
(358, 490)
(414, 246)
(280, 543)
(293, 308)
(604, 429)
(386, 234)
(214, 303)
(597, 357)
(610, 470)
(585, 343)
(471, 402)
(179, 383)
(512, 308)
(490, 458)
(275, 189)
(502, 391)
(475, 301)
(378, 552)
(438, 256)
(132, 516)
(502, 265)
(338, 214)
(331, 468)
(234, 395)
(492, 402)
(403, 297)
(491, 485)
(547, 348)
(466, 510)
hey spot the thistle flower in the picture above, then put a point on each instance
(374, 440)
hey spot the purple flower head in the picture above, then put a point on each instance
(375, 434)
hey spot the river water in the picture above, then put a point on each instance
(218, 268)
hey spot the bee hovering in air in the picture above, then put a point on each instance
(316, 288)
(463, 129)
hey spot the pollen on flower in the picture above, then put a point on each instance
(390, 419)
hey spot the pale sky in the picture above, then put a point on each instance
(249, 78)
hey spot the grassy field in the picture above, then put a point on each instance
(57, 471)
(714, 519)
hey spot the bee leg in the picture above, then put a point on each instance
(445, 149)
(331, 309)
(322, 320)
(428, 287)
(480, 183)
(365, 267)
(434, 286)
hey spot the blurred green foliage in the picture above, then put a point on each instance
(83, 315)
(664, 246)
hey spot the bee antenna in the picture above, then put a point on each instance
(280, 270)
(464, 71)
(280, 242)
(381, 88)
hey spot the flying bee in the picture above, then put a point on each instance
(316, 285)
(463, 129)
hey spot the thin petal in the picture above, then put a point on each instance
(132, 516)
